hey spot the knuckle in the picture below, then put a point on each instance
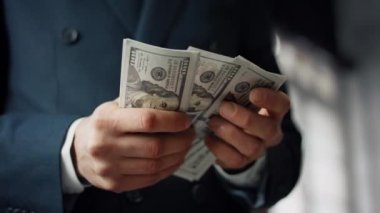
(253, 150)
(228, 131)
(147, 121)
(96, 149)
(99, 122)
(100, 110)
(246, 121)
(153, 166)
(154, 148)
(114, 185)
(105, 118)
(232, 132)
(102, 169)
(239, 161)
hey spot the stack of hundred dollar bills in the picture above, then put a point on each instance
(194, 81)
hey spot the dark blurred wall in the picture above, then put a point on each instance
(311, 19)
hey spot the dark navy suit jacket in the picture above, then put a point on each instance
(62, 59)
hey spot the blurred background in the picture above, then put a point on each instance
(330, 51)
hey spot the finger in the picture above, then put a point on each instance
(151, 120)
(263, 127)
(276, 102)
(154, 146)
(138, 166)
(124, 183)
(111, 116)
(229, 156)
(246, 144)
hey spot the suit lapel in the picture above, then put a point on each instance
(157, 20)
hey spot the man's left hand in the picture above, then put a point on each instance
(242, 135)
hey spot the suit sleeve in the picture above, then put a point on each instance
(30, 147)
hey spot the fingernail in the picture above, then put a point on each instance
(227, 108)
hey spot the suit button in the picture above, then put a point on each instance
(70, 36)
(199, 193)
(134, 196)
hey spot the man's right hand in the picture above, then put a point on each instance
(122, 149)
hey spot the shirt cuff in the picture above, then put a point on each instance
(70, 181)
(248, 178)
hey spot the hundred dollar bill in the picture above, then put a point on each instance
(249, 77)
(263, 78)
(199, 159)
(197, 162)
(252, 76)
(213, 75)
(155, 77)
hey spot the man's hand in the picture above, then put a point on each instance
(242, 134)
(120, 149)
